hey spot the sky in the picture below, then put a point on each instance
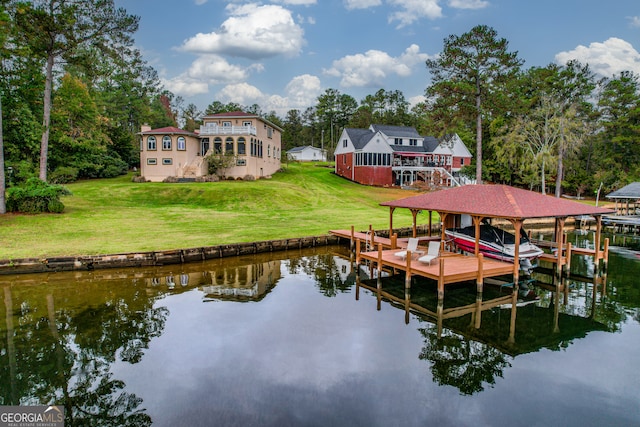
(283, 54)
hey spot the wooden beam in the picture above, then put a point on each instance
(391, 210)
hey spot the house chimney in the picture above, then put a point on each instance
(145, 128)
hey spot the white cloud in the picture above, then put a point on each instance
(242, 93)
(374, 66)
(215, 69)
(415, 100)
(300, 93)
(468, 4)
(607, 59)
(252, 31)
(361, 4)
(634, 21)
(296, 2)
(184, 86)
(412, 10)
(200, 2)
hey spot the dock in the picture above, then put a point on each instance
(448, 268)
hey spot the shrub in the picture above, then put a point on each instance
(36, 196)
(63, 175)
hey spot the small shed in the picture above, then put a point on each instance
(627, 197)
(307, 153)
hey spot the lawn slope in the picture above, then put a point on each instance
(117, 215)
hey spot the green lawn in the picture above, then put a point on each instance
(117, 215)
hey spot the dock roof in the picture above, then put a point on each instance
(497, 201)
(631, 191)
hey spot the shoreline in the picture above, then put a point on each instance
(183, 256)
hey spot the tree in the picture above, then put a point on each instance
(619, 105)
(3, 206)
(57, 30)
(470, 75)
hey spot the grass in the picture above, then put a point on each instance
(116, 215)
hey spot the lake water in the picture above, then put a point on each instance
(297, 339)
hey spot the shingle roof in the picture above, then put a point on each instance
(631, 191)
(359, 137)
(497, 201)
(399, 131)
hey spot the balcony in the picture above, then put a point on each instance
(213, 129)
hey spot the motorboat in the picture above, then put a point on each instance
(496, 243)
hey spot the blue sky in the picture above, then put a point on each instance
(282, 54)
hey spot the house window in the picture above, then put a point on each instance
(228, 146)
(182, 143)
(246, 124)
(413, 141)
(217, 146)
(269, 132)
(242, 146)
(152, 161)
(167, 161)
(226, 124)
(241, 162)
(344, 143)
(141, 144)
(397, 141)
(166, 142)
(151, 143)
(461, 162)
(269, 150)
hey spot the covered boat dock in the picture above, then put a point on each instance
(483, 202)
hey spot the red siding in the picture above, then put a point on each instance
(344, 165)
(374, 175)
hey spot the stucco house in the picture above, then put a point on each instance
(307, 154)
(254, 143)
(398, 155)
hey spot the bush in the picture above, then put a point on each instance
(63, 175)
(35, 197)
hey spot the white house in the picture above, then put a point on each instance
(307, 154)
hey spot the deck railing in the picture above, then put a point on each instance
(212, 129)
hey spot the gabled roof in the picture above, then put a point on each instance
(359, 137)
(304, 147)
(430, 143)
(631, 191)
(453, 145)
(399, 131)
(497, 201)
(169, 130)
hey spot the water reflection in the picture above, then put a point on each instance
(471, 336)
(257, 333)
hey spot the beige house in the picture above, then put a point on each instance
(254, 143)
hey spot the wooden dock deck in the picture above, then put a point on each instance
(446, 269)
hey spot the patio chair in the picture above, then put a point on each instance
(432, 253)
(412, 246)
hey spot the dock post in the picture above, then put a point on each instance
(358, 252)
(605, 255)
(407, 277)
(352, 241)
(567, 267)
(514, 310)
(480, 276)
(379, 261)
(407, 289)
(441, 281)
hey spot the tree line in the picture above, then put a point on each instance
(74, 92)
